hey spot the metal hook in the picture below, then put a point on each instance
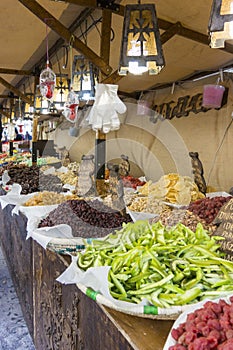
(173, 88)
(221, 75)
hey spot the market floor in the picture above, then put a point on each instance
(14, 334)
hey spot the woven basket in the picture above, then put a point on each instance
(146, 311)
(66, 245)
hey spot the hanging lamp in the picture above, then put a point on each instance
(85, 78)
(221, 23)
(141, 48)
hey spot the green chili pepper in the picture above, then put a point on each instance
(117, 284)
(189, 295)
(152, 286)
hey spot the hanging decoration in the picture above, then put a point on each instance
(212, 95)
(141, 48)
(221, 23)
(47, 77)
(143, 105)
(18, 114)
(72, 102)
(71, 106)
(103, 115)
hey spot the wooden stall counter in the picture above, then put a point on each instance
(71, 318)
(61, 317)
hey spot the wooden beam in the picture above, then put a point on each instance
(61, 30)
(5, 113)
(14, 71)
(192, 34)
(163, 24)
(6, 96)
(170, 32)
(15, 91)
(92, 3)
(113, 78)
(106, 36)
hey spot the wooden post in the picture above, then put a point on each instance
(34, 140)
(100, 150)
(100, 142)
(11, 148)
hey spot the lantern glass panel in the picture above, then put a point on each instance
(221, 23)
(226, 7)
(84, 78)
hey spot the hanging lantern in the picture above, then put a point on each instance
(84, 78)
(60, 93)
(141, 48)
(221, 22)
(47, 82)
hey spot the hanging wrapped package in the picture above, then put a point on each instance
(104, 112)
(71, 106)
(47, 82)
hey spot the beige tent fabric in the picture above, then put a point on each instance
(159, 148)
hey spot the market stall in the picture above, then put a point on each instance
(116, 221)
(61, 316)
(63, 310)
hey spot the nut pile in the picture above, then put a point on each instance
(48, 198)
(74, 167)
(86, 218)
(185, 217)
(147, 204)
(67, 178)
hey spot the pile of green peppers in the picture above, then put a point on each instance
(166, 266)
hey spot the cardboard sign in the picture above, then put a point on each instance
(225, 229)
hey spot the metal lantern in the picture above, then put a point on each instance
(84, 78)
(61, 92)
(221, 22)
(141, 48)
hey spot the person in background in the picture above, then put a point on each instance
(27, 136)
(18, 137)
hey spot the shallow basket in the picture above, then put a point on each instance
(66, 245)
(144, 311)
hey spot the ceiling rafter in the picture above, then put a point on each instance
(94, 4)
(106, 36)
(6, 114)
(15, 71)
(65, 33)
(163, 24)
(15, 91)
